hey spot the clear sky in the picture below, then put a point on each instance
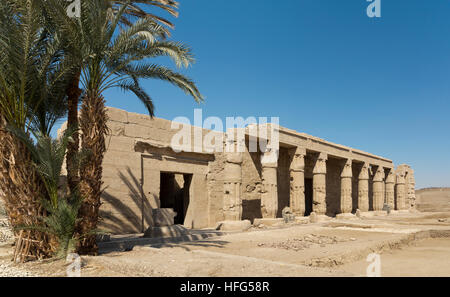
(324, 68)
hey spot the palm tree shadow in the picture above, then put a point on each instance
(190, 245)
(125, 218)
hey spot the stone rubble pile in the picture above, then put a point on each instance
(305, 242)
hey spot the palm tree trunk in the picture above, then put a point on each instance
(73, 95)
(93, 124)
(22, 190)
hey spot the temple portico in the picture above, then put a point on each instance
(296, 172)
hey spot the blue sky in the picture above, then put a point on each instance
(324, 68)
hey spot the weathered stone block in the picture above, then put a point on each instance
(163, 217)
(268, 221)
(313, 217)
(116, 128)
(346, 216)
(133, 130)
(120, 143)
(233, 225)
(302, 220)
(166, 231)
(117, 115)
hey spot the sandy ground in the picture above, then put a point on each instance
(332, 248)
(427, 257)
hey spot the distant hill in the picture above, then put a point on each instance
(433, 199)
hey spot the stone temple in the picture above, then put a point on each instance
(142, 172)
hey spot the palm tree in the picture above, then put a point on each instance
(117, 59)
(61, 218)
(138, 9)
(30, 72)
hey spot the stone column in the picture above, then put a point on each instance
(232, 199)
(269, 195)
(297, 194)
(346, 187)
(411, 189)
(390, 189)
(363, 188)
(401, 190)
(378, 189)
(320, 185)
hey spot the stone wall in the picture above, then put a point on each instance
(138, 150)
(433, 199)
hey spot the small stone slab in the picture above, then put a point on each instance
(302, 220)
(403, 211)
(315, 218)
(234, 225)
(380, 213)
(166, 231)
(346, 216)
(268, 222)
(367, 214)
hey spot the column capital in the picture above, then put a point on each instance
(269, 158)
(379, 174)
(364, 173)
(347, 170)
(401, 179)
(390, 178)
(235, 158)
(298, 161)
(321, 166)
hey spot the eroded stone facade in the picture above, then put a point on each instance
(141, 172)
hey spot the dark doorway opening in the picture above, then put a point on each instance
(308, 196)
(174, 193)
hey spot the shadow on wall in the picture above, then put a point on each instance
(129, 217)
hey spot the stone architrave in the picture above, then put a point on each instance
(363, 188)
(320, 185)
(232, 200)
(346, 187)
(390, 189)
(269, 195)
(401, 190)
(378, 189)
(297, 190)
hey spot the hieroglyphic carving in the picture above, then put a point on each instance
(363, 188)
(297, 190)
(378, 189)
(346, 187)
(319, 184)
(390, 189)
(400, 190)
(269, 195)
(232, 200)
